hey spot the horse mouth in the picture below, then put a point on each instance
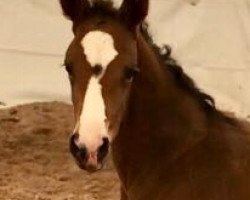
(89, 168)
(88, 164)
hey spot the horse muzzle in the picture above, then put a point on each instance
(89, 161)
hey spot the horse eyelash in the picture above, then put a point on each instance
(68, 68)
(131, 72)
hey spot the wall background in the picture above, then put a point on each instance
(210, 38)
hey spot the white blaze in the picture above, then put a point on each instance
(99, 49)
(92, 126)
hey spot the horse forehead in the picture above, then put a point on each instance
(99, 48)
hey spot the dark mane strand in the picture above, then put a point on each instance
(182, 79)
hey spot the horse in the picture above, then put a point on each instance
(130, 97)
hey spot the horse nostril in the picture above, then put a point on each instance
(82, 153)
(78, 152)
(103, 150)
(72, 144)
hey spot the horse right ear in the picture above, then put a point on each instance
(133, 12)
(75, 9)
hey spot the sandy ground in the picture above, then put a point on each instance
(35, 163)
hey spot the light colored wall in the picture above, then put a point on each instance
(211, 40)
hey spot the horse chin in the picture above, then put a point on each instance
(90, 168)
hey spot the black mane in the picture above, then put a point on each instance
(182, 79)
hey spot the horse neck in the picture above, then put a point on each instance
(161, 124)
(159, 110)
(155, 92)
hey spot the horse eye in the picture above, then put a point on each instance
(68, 68)
(130, 73)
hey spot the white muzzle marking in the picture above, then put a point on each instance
(99, 49)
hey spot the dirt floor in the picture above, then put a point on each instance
(35, 163)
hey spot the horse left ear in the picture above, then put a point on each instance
(134, 12)
(75, 9)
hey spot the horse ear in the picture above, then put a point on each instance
(75, 9)
(134, 11)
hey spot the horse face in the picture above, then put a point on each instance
(102, 64)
